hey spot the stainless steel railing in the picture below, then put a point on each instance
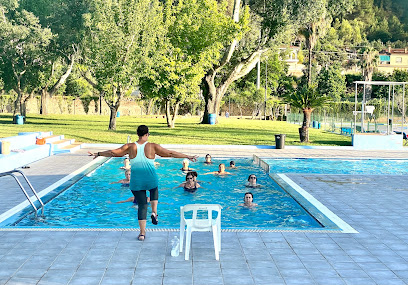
(11, 173)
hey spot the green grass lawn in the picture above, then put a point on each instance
(233, 131)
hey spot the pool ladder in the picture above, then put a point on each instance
(11, 173)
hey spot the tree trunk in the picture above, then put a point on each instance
(150, 106)
(44, 100)
(309, 68)
(304, 130)
(171, 116)
(112, 119)
(304, 134)
(17, 103)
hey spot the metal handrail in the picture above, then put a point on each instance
(10, 173)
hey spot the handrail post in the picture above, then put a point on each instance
(10, 173)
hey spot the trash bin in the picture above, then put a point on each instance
(19, 120)
(280, 141)
(117, 114)
(5, 147)
(211, 119)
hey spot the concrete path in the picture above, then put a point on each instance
(375, 205)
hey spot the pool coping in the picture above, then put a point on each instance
(24, 207)
(315, 208)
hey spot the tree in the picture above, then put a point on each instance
(65, 20)
(369, 62)
(306, 98)
(271, 23)
(120, 41)
(318, 22)
(22, 43)
(332, 83)
(195, 31)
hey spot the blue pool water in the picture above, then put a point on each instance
(338, 166)
(90, 202)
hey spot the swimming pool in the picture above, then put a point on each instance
(338, 166)
(90, 203)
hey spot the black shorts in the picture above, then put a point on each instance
(141, 199)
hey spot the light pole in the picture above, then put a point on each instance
(266, 84)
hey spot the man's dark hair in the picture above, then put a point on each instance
(250, 193)
(142, 130)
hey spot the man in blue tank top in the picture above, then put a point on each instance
(143, 173)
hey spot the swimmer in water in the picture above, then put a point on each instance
(252, 182)
(221, 170)
(248, 200)
(126, 181)
(191, 184)
(126, 164)
(185, 167)
(208, 159)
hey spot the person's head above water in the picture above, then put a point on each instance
(248, 197)
(186, 162)
(221, 167)
(142, 130)
(207, 158)
(191, 173)
(191, 176)
(232, 163)
(127, 174)
(252, 178)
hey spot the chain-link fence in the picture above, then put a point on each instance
(340, 118)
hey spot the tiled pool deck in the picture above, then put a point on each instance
(376, 206)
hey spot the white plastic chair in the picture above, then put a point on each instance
(197, 224)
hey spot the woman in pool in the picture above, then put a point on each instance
(221, 170)
(126, 164)
(185, 165)
(252, 181)
(232, 164)
(143, 172)
(208, 159)
(126, 181)
(191, 184)
(248, 200)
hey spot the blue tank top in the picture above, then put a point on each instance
(143, 173)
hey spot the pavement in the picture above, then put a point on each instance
(374, 205)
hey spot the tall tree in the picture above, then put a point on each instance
(119, 44)
(369, 61)
(65, 20)
(272, 22)
(322, 13)
(22, 45)
(332, 83)
(195, 31)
